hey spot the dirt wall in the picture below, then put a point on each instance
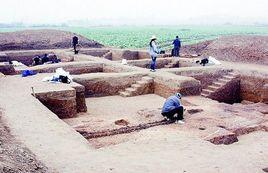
(252, 87)
(3, 57)
(7, 69)
(124, 54)
(62, 103)
(26, 57)
(145, 63)
(106, 84)
(206, 75)
(230, 93)
(188, 62)
(94, 52)
(119, 54)
(72, 67)
(166, 85)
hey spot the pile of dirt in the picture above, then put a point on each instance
(14, 157)
(195, 48)
(246, 48)
(42, 39)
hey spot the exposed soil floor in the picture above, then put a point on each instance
(14, 157)
(169, 148)
(257, 68)
(104, 111)
(212, 118)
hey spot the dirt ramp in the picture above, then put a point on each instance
(41, 39)
(247, 49)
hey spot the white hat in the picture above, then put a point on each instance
(178, 95)
(153, 37)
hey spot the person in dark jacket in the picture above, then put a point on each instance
(75, 42)
(44, 58)
(172, 106)
(177, 46)
(37, 60)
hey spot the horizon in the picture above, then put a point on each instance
(65, 25)
(139, 13)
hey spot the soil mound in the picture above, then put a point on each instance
(42, 39)
(247, 49)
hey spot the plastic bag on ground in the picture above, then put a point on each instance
(124, 62)
(58, 76)
(213, 60)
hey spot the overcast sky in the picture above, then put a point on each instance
(134, 11)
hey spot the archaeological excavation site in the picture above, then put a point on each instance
(108, 117)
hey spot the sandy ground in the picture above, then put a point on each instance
(164, 149)
(168, 148)
(104, 111)
(14, 156)
(246, 67)
(171, 148)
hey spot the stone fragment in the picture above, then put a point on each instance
(194, 111)
(265, 169)
(7, 68)
(121, 122)
(222, 136)
(2, 75)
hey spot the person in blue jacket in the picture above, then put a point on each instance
(173, 106)
(177, 46)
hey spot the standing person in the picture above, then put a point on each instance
(177, 46)
(153, 52)
(173, 106)
(75, 42)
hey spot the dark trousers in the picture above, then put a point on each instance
(75, 51)
(170, 114)
(176, 51)
(153, 63)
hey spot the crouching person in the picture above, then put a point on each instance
(173, 106)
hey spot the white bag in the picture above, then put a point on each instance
(213, 60)
(124, 62)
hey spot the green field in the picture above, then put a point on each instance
(138, 37)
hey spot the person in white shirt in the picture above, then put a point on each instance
(153, 50)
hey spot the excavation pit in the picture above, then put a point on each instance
(141, 112)
(26, 56)
(139, 136)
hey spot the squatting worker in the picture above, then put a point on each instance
(153, 50)
(75, 42)
(173, 106)
(177, 46)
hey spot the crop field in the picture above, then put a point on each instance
(138, 36)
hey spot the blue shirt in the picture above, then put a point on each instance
(171, 103)
(177, 43)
